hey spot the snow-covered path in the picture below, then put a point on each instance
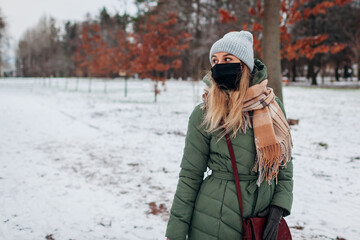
(37, 197)
(82, 165)
(64, 175)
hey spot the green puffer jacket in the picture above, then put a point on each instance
(208, 209)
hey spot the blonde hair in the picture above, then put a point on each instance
(227, 106)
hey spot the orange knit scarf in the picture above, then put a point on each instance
(271, 130)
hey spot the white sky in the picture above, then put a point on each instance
(22, 14)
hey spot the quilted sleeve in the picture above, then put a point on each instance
(193, 165)
(283, 196)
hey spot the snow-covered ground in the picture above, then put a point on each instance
(88, 166)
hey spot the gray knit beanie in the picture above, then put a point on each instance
(239, 44)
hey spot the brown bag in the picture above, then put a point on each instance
(253, 227)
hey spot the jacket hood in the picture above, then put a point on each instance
(258, 74)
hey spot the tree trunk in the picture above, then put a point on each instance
(271, 45)
(358, 69)
(294, 71)
(90, 84)
(156, 90)
(125, 89)
(346, 72)
(337, 73)
(311, 72)
(1, 60)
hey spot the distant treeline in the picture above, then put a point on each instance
(173, 38)
(3, 43)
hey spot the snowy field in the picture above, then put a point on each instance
(91, 166)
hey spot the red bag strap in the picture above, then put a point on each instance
(235, 171)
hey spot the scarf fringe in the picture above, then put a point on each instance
(268, 160)
(246, 122)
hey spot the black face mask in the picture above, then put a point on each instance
(227, 75)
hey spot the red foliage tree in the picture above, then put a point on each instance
(226, 17)
(152, 52)
(157, 48)
(122, 53)
(306, 47)
(91, 56)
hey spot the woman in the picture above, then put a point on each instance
(238, 102)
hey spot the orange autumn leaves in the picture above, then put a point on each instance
(291, 49)
(158, 48)
(296, 15)
(226, 17)
(150, 52)
(310, 46)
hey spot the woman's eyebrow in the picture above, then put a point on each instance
(228, 54)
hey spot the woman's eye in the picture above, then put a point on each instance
(214, 61)
(227, 59)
